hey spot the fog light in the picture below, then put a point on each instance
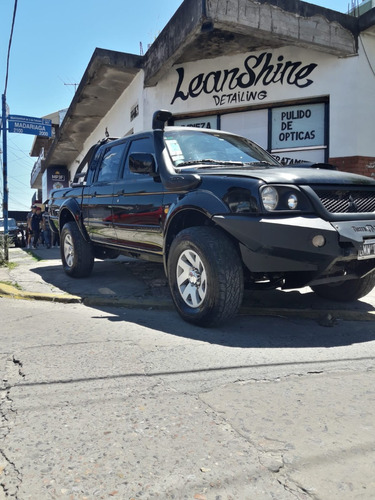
(318, 241)
(292, 201)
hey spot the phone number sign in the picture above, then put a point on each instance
(29, 125)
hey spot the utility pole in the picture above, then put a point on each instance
(5, 177)
(5, 149)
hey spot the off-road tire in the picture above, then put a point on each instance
(205, 276)
(76, 253)
(347, 291)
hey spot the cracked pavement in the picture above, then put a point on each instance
(135, 404)
(10, 476)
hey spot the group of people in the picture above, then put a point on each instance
(38, 229)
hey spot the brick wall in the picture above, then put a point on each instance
(363, 165)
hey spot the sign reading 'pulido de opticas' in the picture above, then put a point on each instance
(29, 125)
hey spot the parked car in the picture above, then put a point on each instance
(220, 213)
(15, 233)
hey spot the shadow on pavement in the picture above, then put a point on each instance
(265, 321)
(119, 278)
(125, 277)
(244, 331)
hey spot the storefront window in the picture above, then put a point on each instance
(250, 124)
(293, 134)
(201, 122)
(298, 133)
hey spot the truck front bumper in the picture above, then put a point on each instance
(299, 243)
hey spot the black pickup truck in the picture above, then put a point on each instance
(221, 214)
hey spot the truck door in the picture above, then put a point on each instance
(137, 204)
(98, 196)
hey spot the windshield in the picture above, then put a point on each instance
(204, 149)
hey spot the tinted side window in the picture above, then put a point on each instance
(143, 145)
(109, 166)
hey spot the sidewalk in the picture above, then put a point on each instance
(38, 274)
(125, 282)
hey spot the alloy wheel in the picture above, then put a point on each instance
(69, 250)
(191, 278)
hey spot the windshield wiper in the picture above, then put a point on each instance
(211, 162)
(256, 163)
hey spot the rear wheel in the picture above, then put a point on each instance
(76, 253)
(205, 276)
(346, 291)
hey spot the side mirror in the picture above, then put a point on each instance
(142, 163)
(79, 180)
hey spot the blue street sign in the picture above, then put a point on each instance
(29, 125)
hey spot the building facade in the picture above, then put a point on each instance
(296, 78)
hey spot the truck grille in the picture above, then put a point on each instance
(347, 200)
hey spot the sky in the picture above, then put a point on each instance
(52, 44)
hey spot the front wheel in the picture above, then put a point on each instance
(347, 291)
(205, 276)
(76, 253)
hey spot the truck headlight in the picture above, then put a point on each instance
(270, 198)
(284, 198)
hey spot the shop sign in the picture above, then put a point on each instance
(297, 157)
(298, 126)
(54, 178)
(246, 82)
(201, 122)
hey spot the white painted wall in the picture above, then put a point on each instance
(365, 108)
(117, 120)
(348, 82)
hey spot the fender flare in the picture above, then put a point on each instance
(72, 207)
(204, 203)
(200, 201)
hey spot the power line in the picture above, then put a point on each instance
(19, 182)
(23, 151)
(19, 203)
(14, 152)
(9, 46)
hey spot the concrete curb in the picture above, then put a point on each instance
(15, 293)
(140, 302)
(325, 317)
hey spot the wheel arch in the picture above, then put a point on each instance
(71, 212)
(195, 209)
(182, 219)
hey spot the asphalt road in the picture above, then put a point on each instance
(128, 403)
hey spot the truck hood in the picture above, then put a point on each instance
(291, 175)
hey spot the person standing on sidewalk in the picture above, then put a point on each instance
(29, 231)
(46, 227)
(36, 221)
